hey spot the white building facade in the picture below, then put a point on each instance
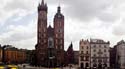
(84, 54)
(99, 53)
(120, 54)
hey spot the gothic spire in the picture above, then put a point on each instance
(42, 2)
(59, 9)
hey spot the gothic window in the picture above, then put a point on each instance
(44, 30)
(50, 43)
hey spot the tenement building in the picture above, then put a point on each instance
(99, 53)
(120, 54)
(50, 40)
(84, 54)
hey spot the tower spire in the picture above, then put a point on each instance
(42, 1)
(59, 8)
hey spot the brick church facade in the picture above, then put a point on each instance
(50, 40)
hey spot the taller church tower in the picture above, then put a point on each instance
(41, 47)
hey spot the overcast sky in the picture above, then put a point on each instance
(84, 19)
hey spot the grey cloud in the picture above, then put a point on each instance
(119, 30)
(89, 9)
(20, 4)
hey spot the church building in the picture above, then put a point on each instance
(50, 40)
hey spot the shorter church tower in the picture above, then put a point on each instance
(59, 36)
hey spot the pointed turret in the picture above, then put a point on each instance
(59, 9)
(42, 2)
(42, 6)
(59, 14)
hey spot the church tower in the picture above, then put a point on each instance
(41, 33)
(59, 36)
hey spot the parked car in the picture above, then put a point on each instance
(12, 67)
(3, 66)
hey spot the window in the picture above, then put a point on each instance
(94, 50)
(104, 46)
(94, 55)
(87, 52)
(105, 55)
(104, 50)
(94, 60)
(99, 50)
(99, 45)
(94, 46)
(61, 41)
(61, 47)
(87, 47)
(81, 52)
(82, 47)
(82, 58)
(56, 35)
(87, 58)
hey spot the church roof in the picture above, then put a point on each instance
(50, 31)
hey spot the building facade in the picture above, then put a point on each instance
(99, 53)
(120, 54)
(69, 56)
(50, 41)
(14, 56)
(113, 57)
(84, 54)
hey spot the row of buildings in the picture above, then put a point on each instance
(12, 55)
(97, 53)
